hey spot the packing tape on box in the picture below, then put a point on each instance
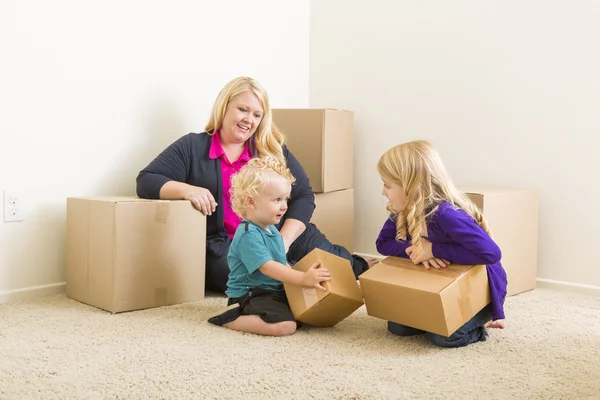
(160, 296)
(162, 212)
(464, 301)
(310, 296)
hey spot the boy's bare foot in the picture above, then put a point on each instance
(499, 324)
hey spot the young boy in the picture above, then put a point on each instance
(257, 260)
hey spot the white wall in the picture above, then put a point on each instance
(509, 92)
(91, 91)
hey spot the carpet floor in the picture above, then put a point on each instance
(57, 348)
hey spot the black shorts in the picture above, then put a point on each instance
(270, 306)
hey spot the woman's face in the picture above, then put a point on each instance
(242, 117)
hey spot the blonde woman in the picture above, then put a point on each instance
(257, 261)
(198, 167)
(434, 224)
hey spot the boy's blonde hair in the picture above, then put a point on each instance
(418, 169)
(268, 141)
(252, 180)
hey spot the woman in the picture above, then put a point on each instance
(198, 167)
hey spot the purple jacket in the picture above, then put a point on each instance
(455, 236)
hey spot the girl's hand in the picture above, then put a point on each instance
(425, 256)
(436, 263)
(418, 255)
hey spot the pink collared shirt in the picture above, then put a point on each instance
(228, 169)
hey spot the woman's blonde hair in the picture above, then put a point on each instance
(418, 169)
(267, 139)
(252, 180)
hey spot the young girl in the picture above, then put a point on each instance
(257, 259)
(434, 224)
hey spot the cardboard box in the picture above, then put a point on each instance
(512, 215)
(125, 253)
(437, 301)
(323, 141)
(325, 308)
(334, 216)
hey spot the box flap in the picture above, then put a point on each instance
(488, 190)
(114, 199)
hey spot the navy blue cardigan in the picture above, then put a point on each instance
(186, 160)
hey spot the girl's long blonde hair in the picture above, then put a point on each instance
(267, 139)
(418, 169)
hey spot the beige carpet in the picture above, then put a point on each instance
(56, 348)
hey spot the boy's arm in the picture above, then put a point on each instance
(283, 273)
(472, 244)
(258, 257)
(311, 278)
(387, 244)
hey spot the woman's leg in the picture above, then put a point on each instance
(217, 269)
(313, 239)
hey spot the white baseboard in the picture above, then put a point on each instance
(32, 292)
(541, 282)
(568, 287)
(377, 256)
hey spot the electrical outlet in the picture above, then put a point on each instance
(13, 206)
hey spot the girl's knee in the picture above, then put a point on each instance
(402, 330)
(444, 341)
(285, 328)
(458, 339)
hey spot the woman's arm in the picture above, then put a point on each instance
(290, 231)
(166, 176)
(301, 205)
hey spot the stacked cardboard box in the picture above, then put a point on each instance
(323, 142)
(126, 253)
(512, 215)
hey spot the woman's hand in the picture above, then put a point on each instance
(202, 199)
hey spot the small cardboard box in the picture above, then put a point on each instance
(126, 253)
(512, 215)
(334, 216)
(323, 141)
(437, 301)
(325, 308)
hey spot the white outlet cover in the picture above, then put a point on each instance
(14, 209)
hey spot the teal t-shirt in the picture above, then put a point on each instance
(251, 247)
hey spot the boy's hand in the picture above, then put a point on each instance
(315, 275)
(425, 256)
